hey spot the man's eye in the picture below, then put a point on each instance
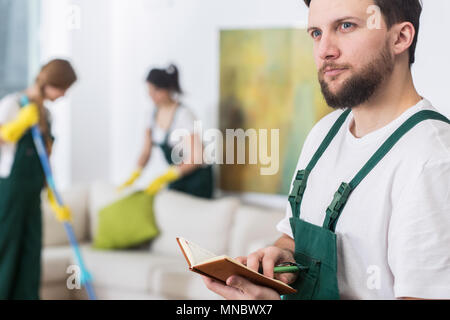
(315, 34)
(347, 25)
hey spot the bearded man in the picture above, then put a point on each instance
(369, 209)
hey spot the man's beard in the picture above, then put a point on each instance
(360, 87)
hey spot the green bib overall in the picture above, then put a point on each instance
(315, 246)
(198, 183)
(21, 225)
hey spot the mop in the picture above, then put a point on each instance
(86, 279)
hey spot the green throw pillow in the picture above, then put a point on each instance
(126, 223)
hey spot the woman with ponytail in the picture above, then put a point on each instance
(185, 174)
(22, 180)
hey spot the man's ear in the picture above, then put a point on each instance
(403, 37)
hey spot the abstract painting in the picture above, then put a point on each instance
(268, 80)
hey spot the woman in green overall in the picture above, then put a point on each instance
(22, 180)
(185, 174)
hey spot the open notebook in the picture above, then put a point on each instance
(221, 267)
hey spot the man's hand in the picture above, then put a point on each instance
(238, 288)
(268, 258)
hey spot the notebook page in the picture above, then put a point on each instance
(198, 254)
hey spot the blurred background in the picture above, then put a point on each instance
(248, 56)
(114, 43)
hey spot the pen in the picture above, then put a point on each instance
(289, 267)
(286, 269)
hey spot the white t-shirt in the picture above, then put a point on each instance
(184, 120)
(394, 232)
(9, 109)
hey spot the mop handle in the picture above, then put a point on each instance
(86, 277)
(42, 153)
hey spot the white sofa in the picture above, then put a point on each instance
(158, 271)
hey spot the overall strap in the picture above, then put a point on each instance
(340, 198)
(301, 179)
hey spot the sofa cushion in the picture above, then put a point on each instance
(253, 228)
(54, 233)
(206, 222)
(175, 281)
(102, 194)
(55, 261)
(123, 273)
(56, 291)
(126, 223)
(125, 269)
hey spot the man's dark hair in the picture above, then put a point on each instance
(397, 11)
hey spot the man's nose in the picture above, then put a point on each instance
(328, 48)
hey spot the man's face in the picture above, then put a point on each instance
(352, 59)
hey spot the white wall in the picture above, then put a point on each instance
(91, 108)
(120, 40)
(81, 122)
(55, 42)
(432, 56)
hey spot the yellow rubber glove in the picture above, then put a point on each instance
(134, 176)
(13, 131)
(171, 175)
(63, 214)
